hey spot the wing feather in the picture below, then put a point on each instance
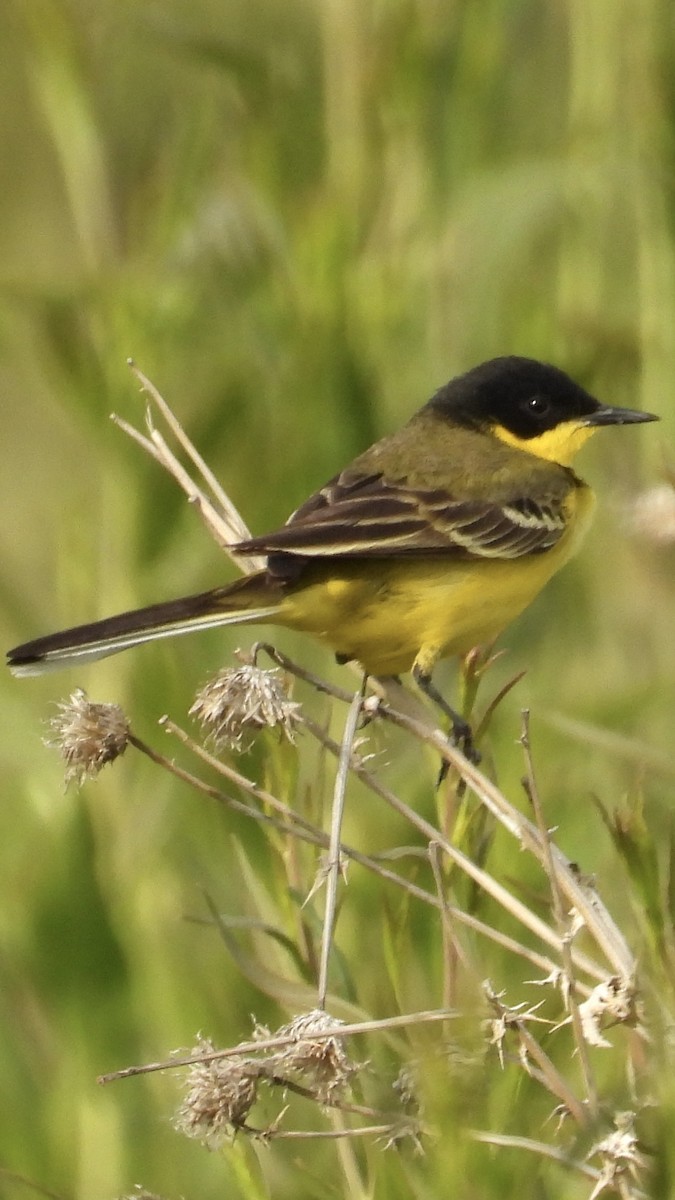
(369, 516)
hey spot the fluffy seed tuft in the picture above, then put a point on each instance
(219, 1097)
(321, 1063)
(239, 701)
(87, 735)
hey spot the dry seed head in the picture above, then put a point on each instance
(621, 1158)
(239, 701)
(219, 1096)
(322, 1063)
(610, 1003)
(87, 735)
(508, 1019)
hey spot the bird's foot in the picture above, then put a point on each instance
(461, 734)
(460, 738)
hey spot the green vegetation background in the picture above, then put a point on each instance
(299, 217)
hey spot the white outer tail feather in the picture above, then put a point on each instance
(73, 656)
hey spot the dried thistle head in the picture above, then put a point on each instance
(321, 1063)
(621, 1158)
(614, 1001)
(239, 701)
(218, 1097)
(87, 735)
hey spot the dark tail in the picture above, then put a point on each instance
(255, 598)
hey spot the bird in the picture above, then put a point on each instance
(429, 543)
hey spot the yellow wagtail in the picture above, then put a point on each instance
(426, 545)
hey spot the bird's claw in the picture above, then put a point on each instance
(461, 738)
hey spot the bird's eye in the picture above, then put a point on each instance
(538, 406)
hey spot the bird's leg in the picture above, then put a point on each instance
(462, 735)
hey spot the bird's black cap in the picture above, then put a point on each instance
(526, 397)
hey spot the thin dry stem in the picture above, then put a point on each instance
(561, 921)
(233, 517)
(157, 448)
(515, 1020)
(305, 831)
(215, 794)
(490, 885)
(334, 856)
(274, 1043)
(320, 685)
(600, 925)
(348, 1160)
(248, 785)
(595, 916)
(555, 1082)
(542, 1148)
(452, 951)
(393, 1129)
(223, 521)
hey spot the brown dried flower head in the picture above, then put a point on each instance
(322, 1063)
(87, 735)
(239, 701)
(219, 1096)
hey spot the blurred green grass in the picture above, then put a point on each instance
(299, 219)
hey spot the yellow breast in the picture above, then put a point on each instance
(386, 613)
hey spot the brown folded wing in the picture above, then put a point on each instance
(368, 516)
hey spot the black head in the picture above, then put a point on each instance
(526, 398)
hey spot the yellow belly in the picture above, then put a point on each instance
(386, 613)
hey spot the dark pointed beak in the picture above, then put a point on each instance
(606, 415)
